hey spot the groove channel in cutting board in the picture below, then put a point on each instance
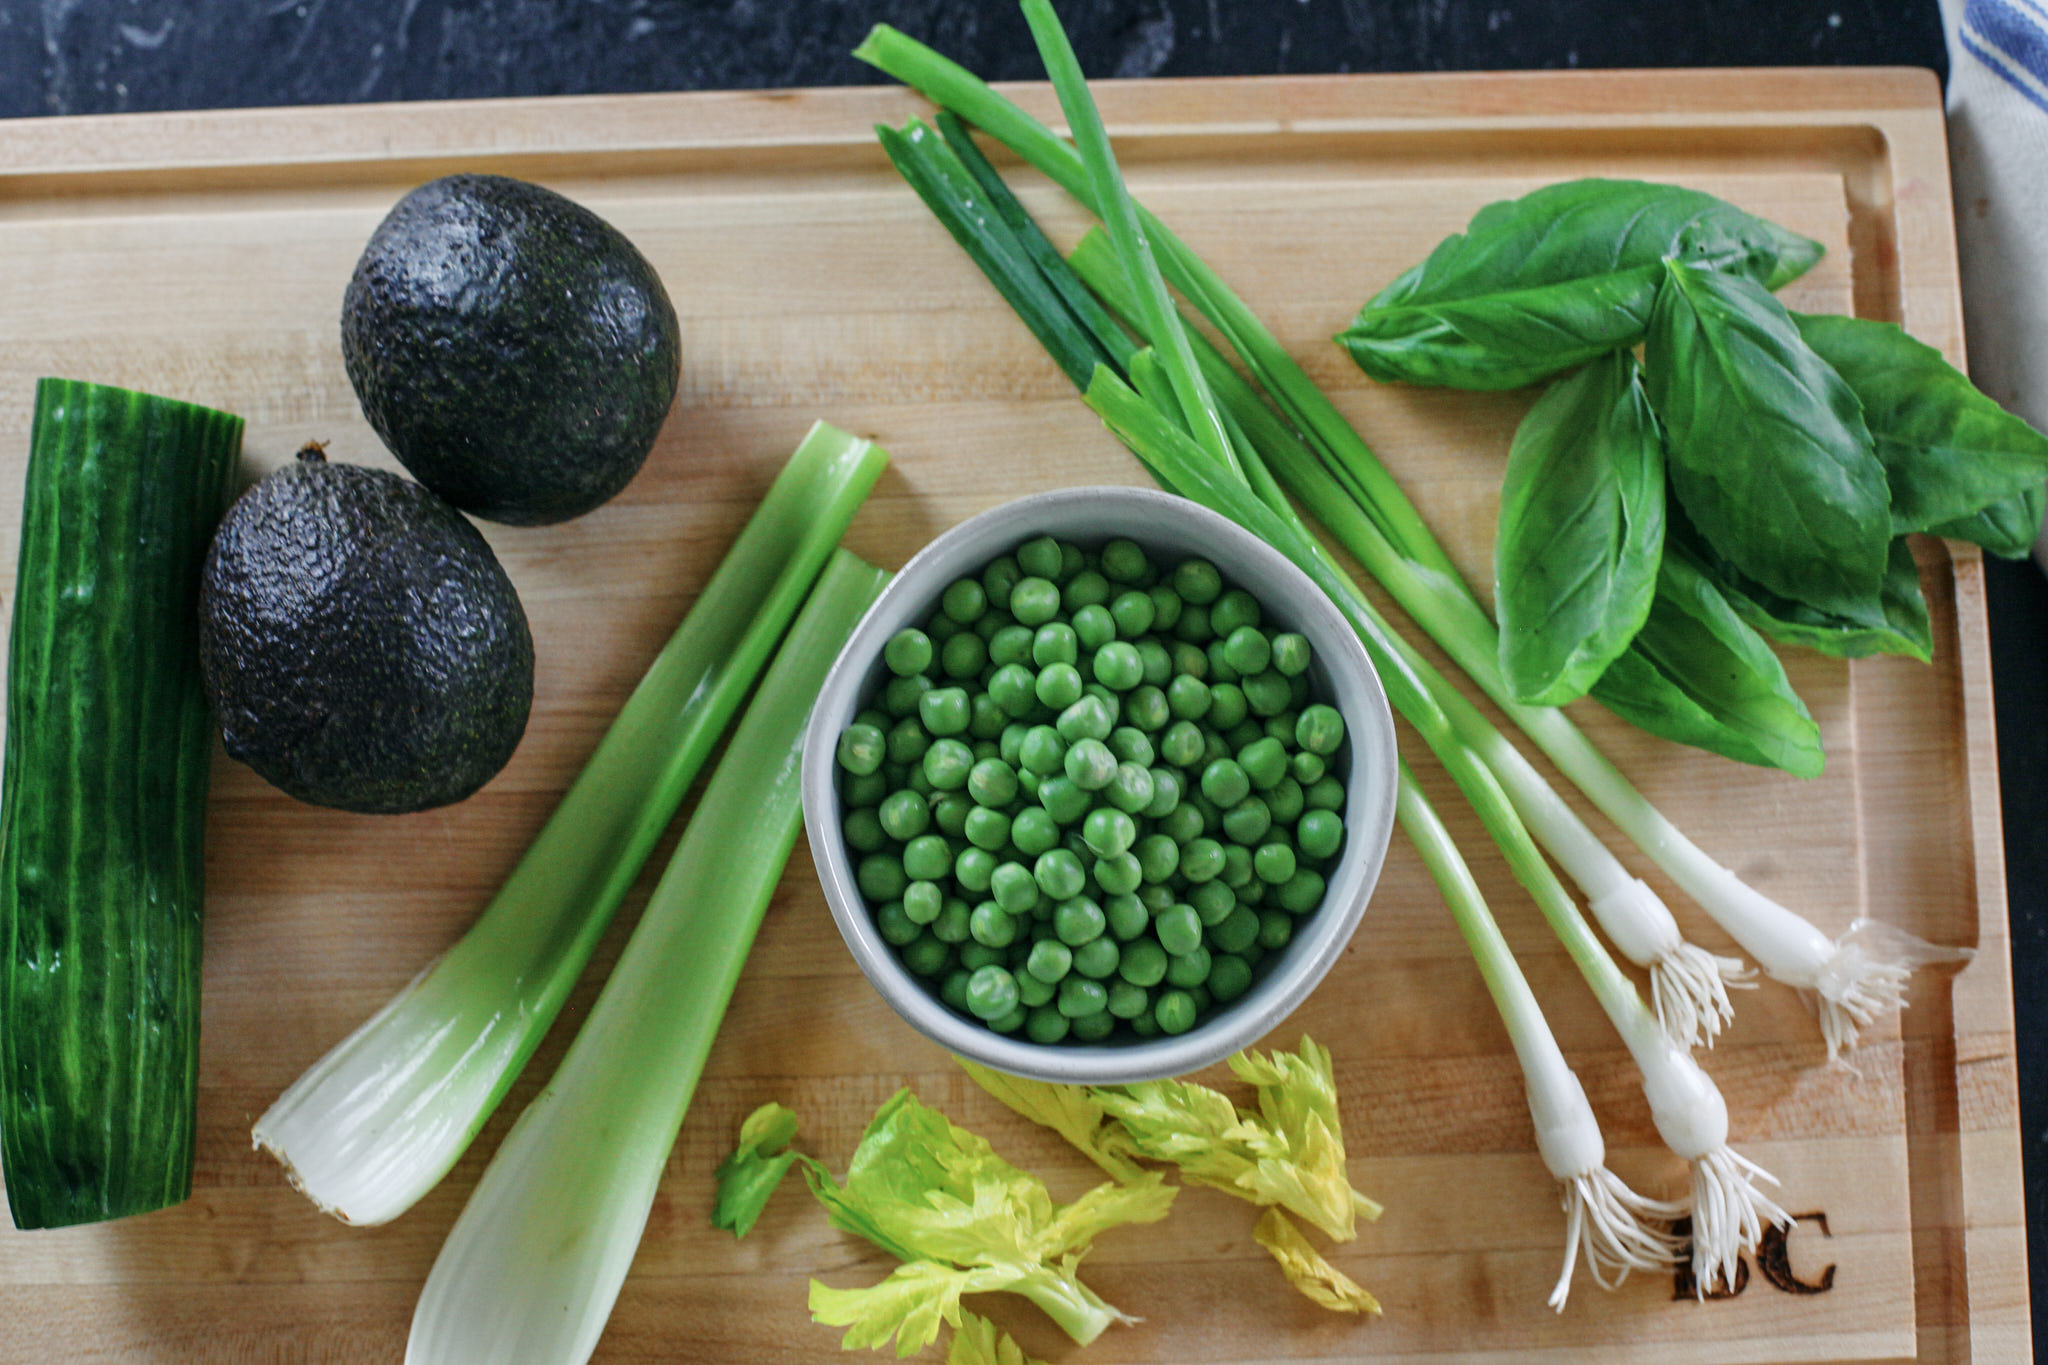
(206, 259)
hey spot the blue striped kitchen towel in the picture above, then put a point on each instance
(1998, 154)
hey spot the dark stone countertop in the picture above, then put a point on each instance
(104, 56)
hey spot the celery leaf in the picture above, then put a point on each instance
(1306, 1269)
(1072, 1111)
(748, 1178)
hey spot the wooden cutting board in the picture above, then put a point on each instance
(204, 256)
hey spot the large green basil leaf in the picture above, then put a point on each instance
(2006, 528)
(1696, 674)
(1581, 530)
(1949, 451)
(1536, 285)
(1767, 451)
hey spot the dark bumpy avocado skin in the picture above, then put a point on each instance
(360, 645)
(512, 348)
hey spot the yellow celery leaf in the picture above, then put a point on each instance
(748, 1178)
(1072, 1111)
(1306, 1269)
(909, 1306)
(977, 1341)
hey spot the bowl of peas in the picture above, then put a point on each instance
(1099, 787)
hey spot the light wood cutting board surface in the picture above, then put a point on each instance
(204, 256)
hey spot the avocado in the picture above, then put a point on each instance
(359, 643)
(513, 349)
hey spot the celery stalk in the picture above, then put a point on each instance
(534, 1263)
(383, 1116)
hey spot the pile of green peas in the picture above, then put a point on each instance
(1093, 793)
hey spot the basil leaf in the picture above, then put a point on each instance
(1536, 285)
(2008, 528)
(1948, 450)
(1696, 674)
(1767, 451)
(1581, 530)
(1898, 625)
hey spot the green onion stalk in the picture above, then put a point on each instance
(1728, 1208)
(1856, 979)
(377, 1122)
(532, 1267)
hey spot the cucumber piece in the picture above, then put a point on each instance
(103, 804)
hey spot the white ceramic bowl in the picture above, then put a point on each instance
(1169, 528)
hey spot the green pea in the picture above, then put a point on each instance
(1194, 625)
(1050, 959)
(1158, 857)
(952, 924)
(1166, 606)
(1235, 610)
(1214, 747)
(1127, 917)
(1280, 728)
(1238, 930)
(1063, 799)
(963, 656)
(1276, 927)
(1046, 1025)
(897, 928)
(865, 790)
(1079, 996)
(1097, 958)
(1319, 833)
(1108, 832)
(927, 955)
(1290, 655)
(1146, 709)
(1044, 750)
(1120, 875)
(986, 719)
(1090, 765)
(992, 925)
(941, 627)
(1179, 930)
(908, 652)
(1229, 977)
(1131, 614)
(1182, 824)
(1034, 830)
(1166, 791)
(947, 763)
(1237, 866)
(1040, 557)
(1227, 706)
(987, 829)
(1197, 581)
(905, 815)
(1305, 767)
(1264, 762)
(864, 832)
(1212, 902)
(1302, 892)
(1078, 920)
(1145, 1026)
(922, 901)
(1013, 887)
(964, 600)
(1117, 666)
(1085, 589)
(1059, 685)
(991, 621)
(974, 868)
(1187, 969)
(944, 711)
(1127, 1001)
(1320, 730)
(1131, 745)
(927, 858)
(1274, 863)
(1129, 788)
(1225, 782)
(1187, 697)
(1247, 732)
(1220, 668)
(1201, 860)
(1189, 661)
(1267, 693)
(1093, 627)
(1088, 718)
(1034, 601)
(1248, 820)
(1123, 561)
(1093, 1028)
(1143, 963)
(1011, 645)
(861, 749)
(1248, 650)
(992, 782)
(1031, 991)
(949, 812)
(1181, 745)
(1055, 643)
(1286, 801)
(1326, 793)
(881, 877)
(1059, 874)
(1175, 1011)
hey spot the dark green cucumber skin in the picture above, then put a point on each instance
(103, 804)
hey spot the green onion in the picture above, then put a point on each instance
(534, 1263)
(383, 1116)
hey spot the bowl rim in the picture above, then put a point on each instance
(1370, 792)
